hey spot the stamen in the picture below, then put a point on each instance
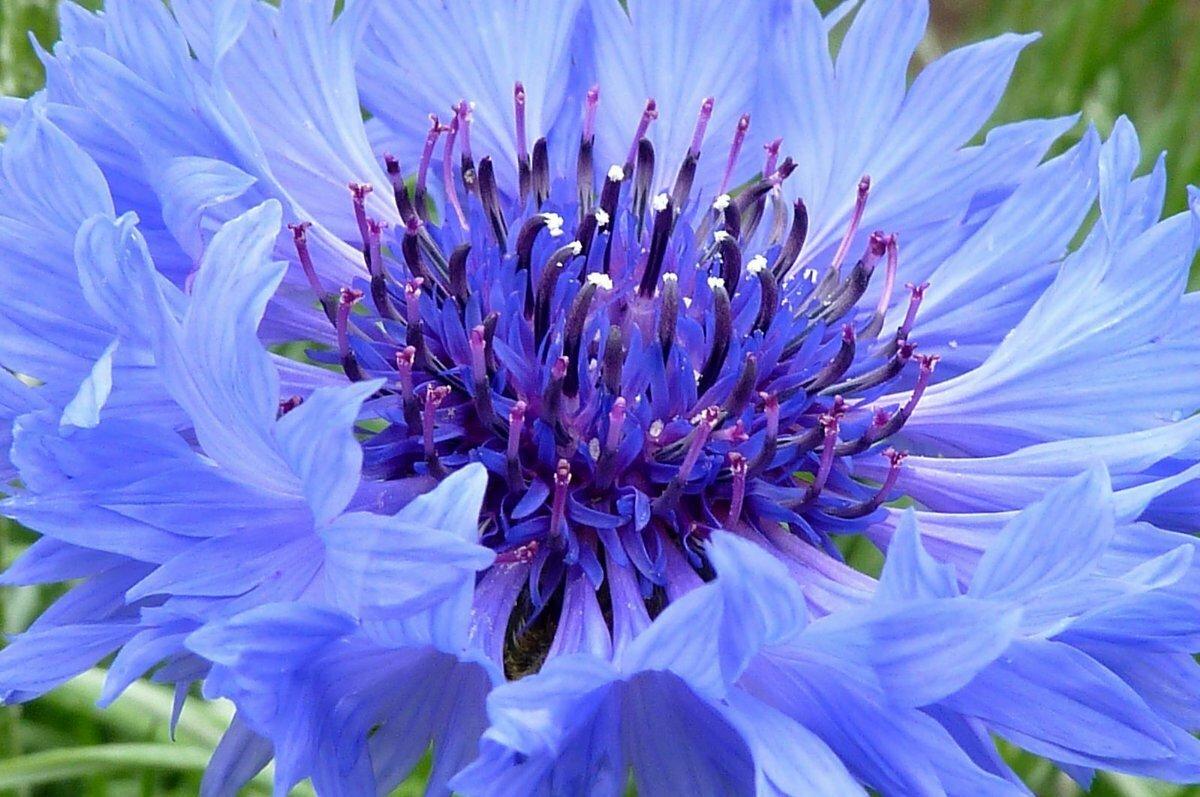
(516, 423)
(458, 274)
(772, 149)
(730, 255)
(489, 195)
(300, 239)
(660, 236)
(883, 373)
(616, 422)
(434, 395)
(467, 162)
(643, 180)
(584, 170)
(722, 333)
(860, 205)
(706, 111)
(769, 292)
(737, 464)
(771, 440)
(576, 320)
(739, 138)
(889, 482)
(359, 192)
(837, 366)
(545, 291)
(914, 303)
(829, 423)
(399, 190)
(875, 325)
(541, 172)
(404, 367)
(448, 173)
(482, 390)
(668, 315)
(287, 405)
(419, 193)
(648, 116)
(614, 360)
(744, 387)
(349, 298)
(848, 294)
(562, 481)
(795, 240)
(552, 399)
(412, 312)
(523, 170)
(380, 295)
(611, 193)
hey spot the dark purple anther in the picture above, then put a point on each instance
(764, 458)
(616, 423)
(648, 116)
(489, 195)
(837, 366)
(405, 359)
(541, 172)
(768, 292)
(287, 405)
(404, 205)
(743, 388)
(573, 330)
(544, 295)
(660, 236)
(739, 138)
(722, 334)
(794, 243)
(730, 254)
(643, 179)
(614, 360)
(610, 194)
(457, 269)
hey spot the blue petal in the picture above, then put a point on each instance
(239, 756)
(1057, 539)
(909, 571)
(753, 602)
(1054, 700)
(317, 441)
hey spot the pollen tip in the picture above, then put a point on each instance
(601, 281)
(616, 173)
(722, 202)
(756, 264)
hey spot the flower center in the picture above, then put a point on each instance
(634, 366)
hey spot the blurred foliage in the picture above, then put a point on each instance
(1104, 57)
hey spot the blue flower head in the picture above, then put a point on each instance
(618, 318)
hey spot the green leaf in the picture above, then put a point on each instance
(69, 763)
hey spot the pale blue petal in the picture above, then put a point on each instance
(1055, 540)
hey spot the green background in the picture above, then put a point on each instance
(1106, 57)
